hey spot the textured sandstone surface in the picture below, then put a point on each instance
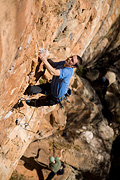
(86, 140)
(86, 28)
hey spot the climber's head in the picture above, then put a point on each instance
(51, 159)
(73, 61)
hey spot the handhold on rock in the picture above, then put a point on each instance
(44, 50)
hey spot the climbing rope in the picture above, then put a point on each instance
(53, 144)
(26, 124)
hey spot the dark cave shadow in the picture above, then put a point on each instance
(106, 52)
(41, 101)
(31, 164)
(38, 73)
(101, 89)
(87, 176)
(115, 160)
(106, 111)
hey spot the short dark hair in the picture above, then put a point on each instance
(79, 61)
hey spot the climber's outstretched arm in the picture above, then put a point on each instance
(51, 62)
(52, 71)
(61, 154)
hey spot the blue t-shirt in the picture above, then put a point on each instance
(59, 84)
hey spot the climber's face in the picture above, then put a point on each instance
(71, 61)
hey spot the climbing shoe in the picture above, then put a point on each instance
(31, 102)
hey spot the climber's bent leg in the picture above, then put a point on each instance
(42, 101)
(42, 88)
(51, 175)
(31, 90)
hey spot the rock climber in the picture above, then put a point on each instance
(56, 90)
(56, 166)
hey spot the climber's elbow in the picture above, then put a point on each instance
(56, 72)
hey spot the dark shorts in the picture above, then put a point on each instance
(47, 100)
(42, 88)
(59, 172)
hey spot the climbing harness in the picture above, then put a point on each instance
(69, 92)
(59, 100)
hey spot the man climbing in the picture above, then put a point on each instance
(56, 166)
(56, 90)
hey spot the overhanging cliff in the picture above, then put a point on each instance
(86, 28)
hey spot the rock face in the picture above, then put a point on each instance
(87, 28)
(86, 139)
